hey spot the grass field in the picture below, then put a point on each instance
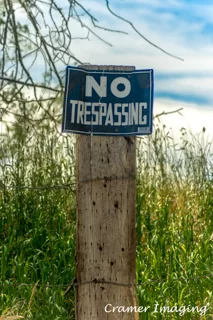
(37, 225)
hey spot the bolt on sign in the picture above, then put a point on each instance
(108, 102)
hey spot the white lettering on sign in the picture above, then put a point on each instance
(103, 112)
(142, 119)
(127, 87)
(109, 116)
(125, 114)
(118, 114)
(101, 89)
(80, 114)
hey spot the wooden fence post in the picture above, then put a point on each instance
(106, 217)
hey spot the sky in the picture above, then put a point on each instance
(182, 28)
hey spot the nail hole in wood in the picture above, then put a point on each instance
(116, 204)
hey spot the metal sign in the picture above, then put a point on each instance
(108, 102)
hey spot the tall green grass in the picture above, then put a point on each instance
(175, 223)
(37, 226)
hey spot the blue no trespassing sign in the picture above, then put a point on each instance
(108, 102)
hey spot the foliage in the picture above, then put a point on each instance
(37, 225)
(174, 223)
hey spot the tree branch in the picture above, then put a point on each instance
(29, 84)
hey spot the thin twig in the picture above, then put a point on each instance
(166, 113)
(139, 33)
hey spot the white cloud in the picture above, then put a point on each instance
(196, 87)
(193, 117)
(159, 4)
